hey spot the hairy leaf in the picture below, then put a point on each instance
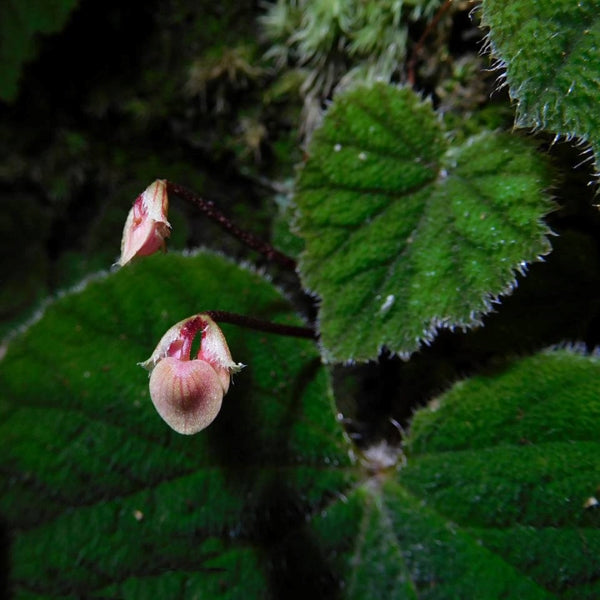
(103, 500)
(20, 22)
(497, 497)
(405, 232)
(509, 461)
(550, 52)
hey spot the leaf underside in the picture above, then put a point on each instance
(550, 53)
(405, 233)
(103, 500)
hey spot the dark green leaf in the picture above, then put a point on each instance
(103, 500)
(495, 500)
(102, 497)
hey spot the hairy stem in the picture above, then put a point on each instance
(209, 209)
(260, 325)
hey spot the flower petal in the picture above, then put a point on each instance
(146, 227)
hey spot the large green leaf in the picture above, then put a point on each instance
(550, 52)
(509, 463)
(20, 22)
(495, 500)
(405, 232)
(103, 498)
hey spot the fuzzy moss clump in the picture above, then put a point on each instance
(335, 42)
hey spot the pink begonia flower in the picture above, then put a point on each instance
(188, 392)
(146, 226)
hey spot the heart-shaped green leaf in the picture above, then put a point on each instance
(406, 233)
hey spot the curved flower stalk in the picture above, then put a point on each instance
(146, 227)
(187, 392)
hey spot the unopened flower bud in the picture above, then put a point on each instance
(187, 392)
(146, 227)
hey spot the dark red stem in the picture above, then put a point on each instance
(419, 45)
(209, 209)
(222, 316)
